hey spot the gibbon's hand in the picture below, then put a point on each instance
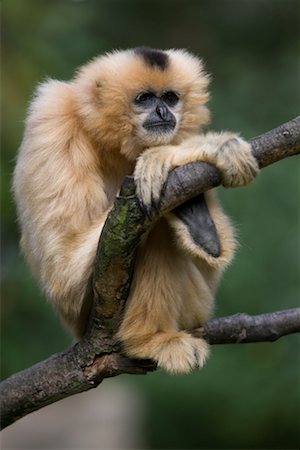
(227, 151)
(235, 161)
(150, 174)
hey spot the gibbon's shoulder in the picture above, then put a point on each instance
(52, 98)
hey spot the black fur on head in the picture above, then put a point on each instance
(153, 57)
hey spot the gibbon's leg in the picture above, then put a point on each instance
(151, 328)
(201, 224)
(203, 231)
(200, 227)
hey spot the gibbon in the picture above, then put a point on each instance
(138, 112)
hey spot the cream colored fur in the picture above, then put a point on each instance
(81, 138)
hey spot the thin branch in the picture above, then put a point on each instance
(96, 356)
(278, 143)
(243, 328)
(68, 373)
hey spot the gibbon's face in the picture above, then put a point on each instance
(158, 114)
(140, 98)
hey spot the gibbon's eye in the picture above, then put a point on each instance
(144, 98)
(170, 98)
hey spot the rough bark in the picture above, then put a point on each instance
(243, 328)
(63, 374)
(97, 356)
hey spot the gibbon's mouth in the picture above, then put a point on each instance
(160, 126)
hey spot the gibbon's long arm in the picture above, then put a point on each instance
(229, 153)
(188, 181)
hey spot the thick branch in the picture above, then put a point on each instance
(69, 372)
(96, 357)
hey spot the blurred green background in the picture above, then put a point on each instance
(247, 396)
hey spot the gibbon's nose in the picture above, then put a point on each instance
(164, 113)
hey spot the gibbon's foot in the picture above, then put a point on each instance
(195, 215)
(182, 354)
(176, 352)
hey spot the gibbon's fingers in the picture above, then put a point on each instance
(237, 163)
(150, 174)
(201, 352)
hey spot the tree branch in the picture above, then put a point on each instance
(243, 328)
(68, 373)
(97, 356)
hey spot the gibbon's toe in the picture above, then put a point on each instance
(182, 354)
(201, 351)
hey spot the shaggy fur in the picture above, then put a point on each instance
(81, 138)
